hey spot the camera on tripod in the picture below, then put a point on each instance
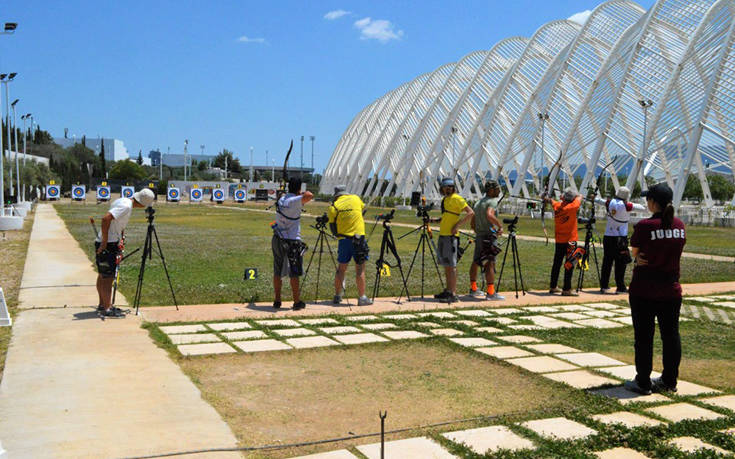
(511, 221)
(322, 221)
(386, 217)
(150, 212)
(422, 211)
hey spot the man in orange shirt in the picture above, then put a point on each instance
(565, 235)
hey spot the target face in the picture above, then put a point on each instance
(240, 195)
(173, 194)
(127, 191)
(103, 192)
(78, 192)
(52, 191)
(219, 195)
(196, 195)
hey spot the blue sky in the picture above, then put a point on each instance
(235, 74)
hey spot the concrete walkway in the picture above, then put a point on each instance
(75, 386)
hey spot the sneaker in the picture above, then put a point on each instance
(554, 290)
(605, 290)
(633, 386)
(337, 299)
(621, 290)
(477, 293)
(113, 312)
(364, 301)
(443, 295)
(658, 385)
(494, 297)
(299, 305)
(451, 298)
(569, 293)
(276, 304)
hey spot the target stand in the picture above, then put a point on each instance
(240, 195)
(218, 195)
(195, 194)
(103, 192)
(173, 194)
(53, 191)
(79, 192)
(127, 191)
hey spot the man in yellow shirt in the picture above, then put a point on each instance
(452, 207)
(346, 222)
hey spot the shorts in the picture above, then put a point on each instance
(447, 251)
(483, 249)
(283, 265)
(107, 260)
(350, 248)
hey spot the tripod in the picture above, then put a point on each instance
(513, 245)
(321, 241)
(589, 226)
(148, 254)
(388, 243)
(425, 240)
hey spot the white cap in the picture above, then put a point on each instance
(144, 197)
(623, 193)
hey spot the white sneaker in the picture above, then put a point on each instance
(494, 297)
(364, 301)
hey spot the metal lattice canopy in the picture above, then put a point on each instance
(649, 94)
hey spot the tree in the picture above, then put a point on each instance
(127, 170)
(140, 158)
(233, 164)
(84, 140)
(42, 137)
(202, 166)
(693, 189)
(721, 188)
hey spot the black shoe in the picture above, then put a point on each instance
(621, 290)
(299, 305)
(276, 304)
(633, 386)
(658, 385)
(113, 312)
(443, 295)
(451, 298)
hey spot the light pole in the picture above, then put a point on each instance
(8, 29)
(645, 105)
(301, 172)
(24, 118)
(186, 146)
(273, 169)
(312, 138)
(251, 164)
(17, 163)
(266, 158)
(6, 79)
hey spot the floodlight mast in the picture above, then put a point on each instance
(6, 79)
(7, 30)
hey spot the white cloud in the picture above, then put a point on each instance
(378, 29)
(246, 39)
(336, 14)
(581, 17)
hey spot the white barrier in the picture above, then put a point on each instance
(9, 223)
(5, 321)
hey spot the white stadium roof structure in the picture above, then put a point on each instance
(479, 118)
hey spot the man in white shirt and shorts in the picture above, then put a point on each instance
(107, 246)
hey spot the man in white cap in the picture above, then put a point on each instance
(107, 246)
(615, 242)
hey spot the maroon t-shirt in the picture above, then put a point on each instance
(659, 280)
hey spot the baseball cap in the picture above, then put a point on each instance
(623, 193)
(144, 197)
(446, 181)
(660, 193)
(491, 185)
(339, 190)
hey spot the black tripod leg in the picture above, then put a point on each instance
(141, 271)
(165, 268)
(515, 275)
(508, 245)
(318, 267)
(410, 268)
(436, 265)
(518, 260)
(379, 265)
(392, 247)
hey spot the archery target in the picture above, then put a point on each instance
(52, 192)
(240, 195)
(127, 192)
(195, 195)
(103, 193)
(173, 194)
(218, 195)
(79, 192)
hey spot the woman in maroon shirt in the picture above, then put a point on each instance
(655, 292)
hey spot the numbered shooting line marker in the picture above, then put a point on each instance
(240, 195)
(195, 195)
(103, 193)
(173, 194)
(79, 192)
(250, 274)
(52, 191)
(218, 195)
(127, 191)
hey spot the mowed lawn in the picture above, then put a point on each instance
(207, 249)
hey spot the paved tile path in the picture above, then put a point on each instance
(75, 386)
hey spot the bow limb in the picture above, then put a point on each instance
(284, 178)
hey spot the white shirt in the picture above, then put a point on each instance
(618, 216)
(288, 215)
(120, 209)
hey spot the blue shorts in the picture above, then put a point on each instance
(346, 251)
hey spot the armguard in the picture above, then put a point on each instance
(333, 228)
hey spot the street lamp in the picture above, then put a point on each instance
(301, 172)
(312, 138)
(17, 163)
(6, 79)
(24, 118)
(645, 105)
(251, 165)
(186, 145)
(8, 29)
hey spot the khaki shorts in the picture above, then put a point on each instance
(447, 251)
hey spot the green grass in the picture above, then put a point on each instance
(207, 249)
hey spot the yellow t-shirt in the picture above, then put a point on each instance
(347, 212)
(452, 207)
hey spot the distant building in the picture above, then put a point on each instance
(114, 149)
(177, 160)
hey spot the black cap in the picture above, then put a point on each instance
(491, 185)
(660, 193)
